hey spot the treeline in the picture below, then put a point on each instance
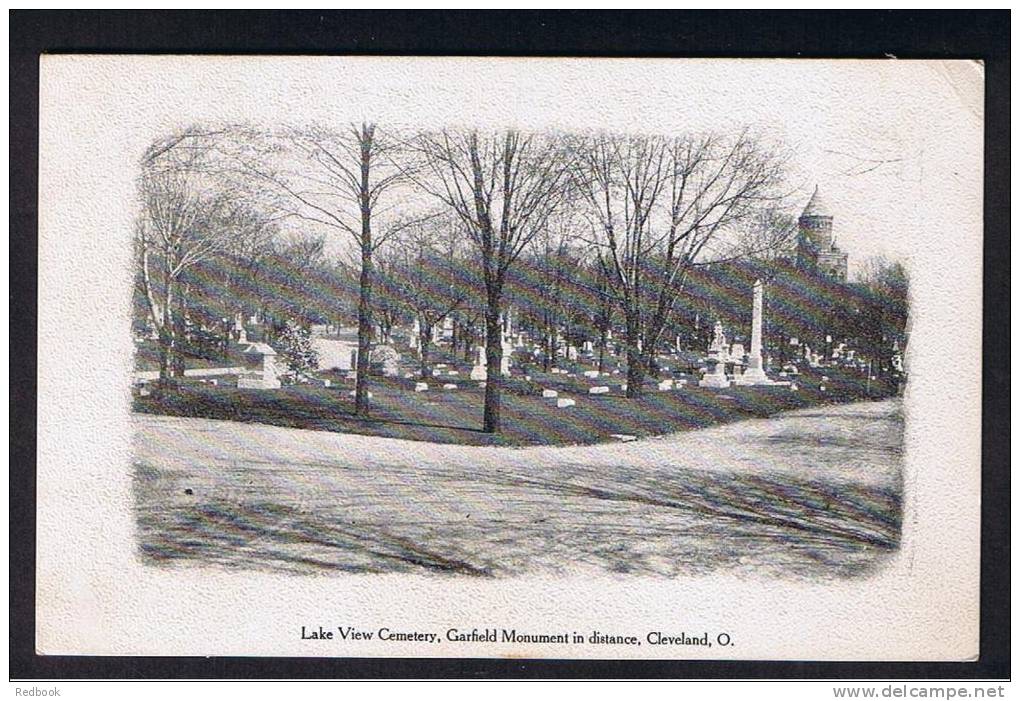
(647, 237)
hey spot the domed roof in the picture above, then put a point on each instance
(816, 206)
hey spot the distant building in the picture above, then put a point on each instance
(816, 245)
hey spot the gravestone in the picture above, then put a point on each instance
(715, 375)
(479, 371)
(414, 338)
(754, 374)
(239, 333)
(504, 361)
(564, 403)
(260, 368)
(598, 390)
(388, 360)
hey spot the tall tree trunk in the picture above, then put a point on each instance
(602, 350)
(491, 422)
(364, 331)
(150, 295)
(361, 407)
(635, 365)
(549, 345)
(167, 339)
(424, 343)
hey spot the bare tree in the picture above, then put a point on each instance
(504, 186)
(556, 261)
(655, 206)
(296, 261)
(427, 277)
(768, 238)
(339, 179)
(184, 222)
(252, 245)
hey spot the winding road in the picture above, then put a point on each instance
(812, 493)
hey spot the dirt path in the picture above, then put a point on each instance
(815, 492)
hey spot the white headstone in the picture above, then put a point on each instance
(263, 377)
(414, 338)
(754, 374)
(478, 372)
(504, 362)
(715, 375)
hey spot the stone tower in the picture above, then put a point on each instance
(816, 245)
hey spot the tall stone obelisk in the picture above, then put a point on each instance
(755, 373)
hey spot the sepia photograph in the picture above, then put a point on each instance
(509, 357)
(540, 318)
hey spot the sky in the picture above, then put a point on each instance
(873, 135)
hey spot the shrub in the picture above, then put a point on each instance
(294, 344)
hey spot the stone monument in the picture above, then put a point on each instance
(260, 362)
(414, 339)
(239, 333)
(504, 363)
(387, 359)
(754, 374)
(715, 376)
(479, 371)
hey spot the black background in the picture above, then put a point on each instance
(980, 35)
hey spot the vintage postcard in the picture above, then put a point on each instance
(500, 357)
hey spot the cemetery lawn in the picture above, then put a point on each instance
(454, 416)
